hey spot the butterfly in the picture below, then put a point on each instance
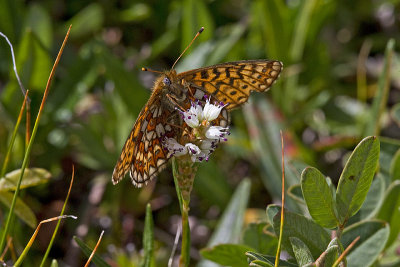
(232, 82)
(143, 154)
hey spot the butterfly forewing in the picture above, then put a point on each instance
(232, 82)
(143, 155)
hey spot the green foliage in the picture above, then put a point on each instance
(339, 84)
(88, 251)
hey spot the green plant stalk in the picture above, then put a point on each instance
(14, 135)
(278, 251)
(184, 171)
(380, 100)
(28, 150)
(59, 221)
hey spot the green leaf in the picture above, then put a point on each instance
(395, 167)
(301, 251)
(40, 22)
(356, 178)
(318, 197)
(54, 263)
(148, 239)
(295, 192)
(372, 202)
(258, 259)
(314, 236)
(21, 209)
(87, 251)
(88, 21)
(227, 254)
(272, 210)
(32, 177)
(373, 237)
(390, 211)
(230, 225)
(260, 236)
(329, 256)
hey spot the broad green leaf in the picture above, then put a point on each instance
(258, 259)
(87, 251)
(356, 178)
(390, 211)
(372, 202)
(318, 197)
(148, 239)
(301, 251)
(227, 254)
(32, 177)
(54, 263)
(395, 166)
(314, 236)
(230, 225)
(21, 209)
(261, 237)
(373, 237)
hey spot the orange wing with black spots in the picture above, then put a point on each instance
(232, 82)
(143, 154)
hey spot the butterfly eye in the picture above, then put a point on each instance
(167, 81)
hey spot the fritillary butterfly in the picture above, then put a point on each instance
(143, 154)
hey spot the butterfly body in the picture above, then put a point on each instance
(143, 154)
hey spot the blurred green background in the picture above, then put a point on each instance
(326, 100)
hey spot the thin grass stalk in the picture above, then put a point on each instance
(29, 245)
(28, 150)
(59, 222)
(362, 91)
(278, 251)
(184, 171)
(14, 135)
(94, 250)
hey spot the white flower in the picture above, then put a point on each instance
(193, 116)
(174, 147)
(211, 111)
(196, 154)
(217, 133)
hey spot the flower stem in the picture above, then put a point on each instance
(184, 171)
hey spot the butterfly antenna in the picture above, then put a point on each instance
(197, 35)
(150, 70)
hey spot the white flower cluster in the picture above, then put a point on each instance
(198, 118)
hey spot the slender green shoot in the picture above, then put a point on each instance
(59, 222)
(14, 135)
(278, 251)
(28, 150)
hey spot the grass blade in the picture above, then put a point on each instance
(58, 223)
(28, 150)
(7, 158)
